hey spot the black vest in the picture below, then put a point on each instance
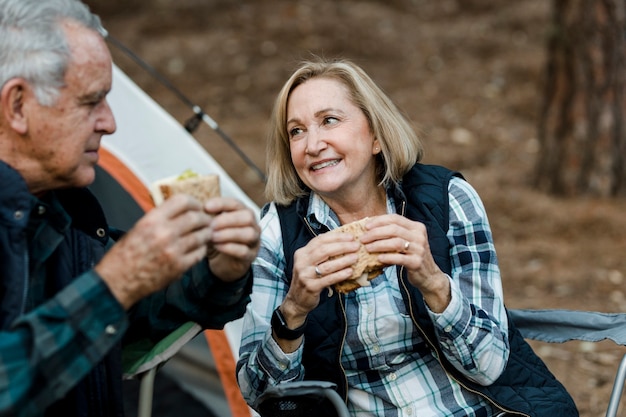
(526, 386)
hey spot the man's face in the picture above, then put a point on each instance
(65, 138)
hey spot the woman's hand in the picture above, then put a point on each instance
(404, 242)
(324, 261)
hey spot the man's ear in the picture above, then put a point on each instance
(12, 104)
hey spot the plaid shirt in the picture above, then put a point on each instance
(56, 340)
(381, 337)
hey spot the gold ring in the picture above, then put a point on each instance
(406, 245)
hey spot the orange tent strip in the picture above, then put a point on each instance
(218, 343)
(225, 363)
(126, 178)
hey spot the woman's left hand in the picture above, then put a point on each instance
(400, 241)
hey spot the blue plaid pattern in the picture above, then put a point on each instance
(390, 369)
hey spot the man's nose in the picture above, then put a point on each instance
(106, 121)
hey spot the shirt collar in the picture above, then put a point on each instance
(319, 213)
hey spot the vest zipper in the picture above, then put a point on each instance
(308, 225)
(432, 345)
(345, 321)
(343, 341)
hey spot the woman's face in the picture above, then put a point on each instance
(331, 145)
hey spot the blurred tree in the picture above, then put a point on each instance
(581, 129)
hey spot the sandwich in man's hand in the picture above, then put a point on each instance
(367, 266)
(202, 187)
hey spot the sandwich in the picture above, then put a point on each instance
(367, 266)
(202, 187)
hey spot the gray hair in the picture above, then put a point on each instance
(33, 44)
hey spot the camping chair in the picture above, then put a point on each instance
(618, 389)
(304, 399)
(143, 359)
(313, 398)
(301, 399)
(559, 326)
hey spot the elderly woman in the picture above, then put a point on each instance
(430, 335)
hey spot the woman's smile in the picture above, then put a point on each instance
(324, 164)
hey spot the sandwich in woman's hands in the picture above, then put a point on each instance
(201, 187)
(367, 266)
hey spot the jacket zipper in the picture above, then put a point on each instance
(345, 321)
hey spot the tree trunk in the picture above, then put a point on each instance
(581, 126)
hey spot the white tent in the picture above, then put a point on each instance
(150, 144)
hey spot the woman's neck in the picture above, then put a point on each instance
(372, 204)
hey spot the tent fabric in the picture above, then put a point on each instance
(225, 363)
(559, 326)
(126, 179)
(149, 144)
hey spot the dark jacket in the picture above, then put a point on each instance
(82, 246)
(78, 246)
(526, 386)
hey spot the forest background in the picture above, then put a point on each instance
(469, 74)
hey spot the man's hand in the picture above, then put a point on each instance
(162, 245)
(234, 238)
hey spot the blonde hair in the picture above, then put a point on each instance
(400, 146)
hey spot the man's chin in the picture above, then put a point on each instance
(84, 177)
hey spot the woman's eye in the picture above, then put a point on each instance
(295, 131)
(329, 120)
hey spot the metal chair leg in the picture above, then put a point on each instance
(618, 388)
(146, 393)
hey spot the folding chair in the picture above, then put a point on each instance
(559, 326)
(143, 359)
(301, 399)
(308, 398)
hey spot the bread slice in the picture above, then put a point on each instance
(202, 187)
(367, 266)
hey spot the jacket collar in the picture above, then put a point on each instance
(16, 203)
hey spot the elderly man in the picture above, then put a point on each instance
(69, 297)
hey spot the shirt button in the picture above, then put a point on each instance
(41, 210)
(282, 366)
(110, 330)
(101, 232)
(18, 215)
(393, 376)
(376, 348)
(448, 329)
(408, 411)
